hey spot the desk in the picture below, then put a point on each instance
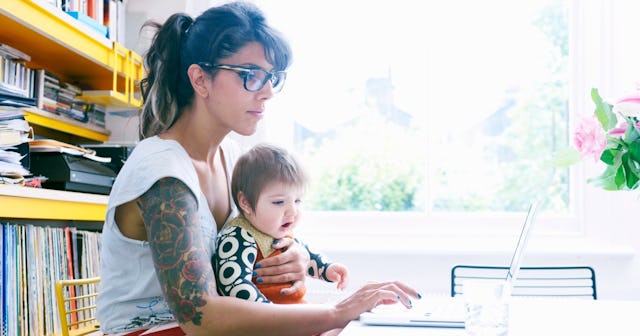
(535, 317)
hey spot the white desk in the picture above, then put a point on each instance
(536, 317)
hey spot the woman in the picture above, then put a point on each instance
(206, 78)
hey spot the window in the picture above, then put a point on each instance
(426, 111)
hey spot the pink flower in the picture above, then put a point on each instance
(628, 106)
(619, 131)
(589, 137)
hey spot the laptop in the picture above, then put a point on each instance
(445, 312)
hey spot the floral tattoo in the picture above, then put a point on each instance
(169, 212)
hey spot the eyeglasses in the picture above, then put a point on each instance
(254, 78)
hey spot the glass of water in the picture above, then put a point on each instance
(487, 305)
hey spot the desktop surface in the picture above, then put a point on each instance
(533, 317)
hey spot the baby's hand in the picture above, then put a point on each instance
(339, 274)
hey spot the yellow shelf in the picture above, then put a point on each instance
(65, 125)
(57, 42)
(45, 204)
(113, 99)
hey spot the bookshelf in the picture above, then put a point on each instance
(47, 204)
(108, 72)
(60, 127)
(79, 55)
(44, 231)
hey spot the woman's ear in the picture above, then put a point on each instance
(198, 78)
(244, 203)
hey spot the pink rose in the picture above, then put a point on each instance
(589, 137)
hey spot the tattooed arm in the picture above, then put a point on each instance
(180, 256)
(169, 212)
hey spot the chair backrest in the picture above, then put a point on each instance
(552, 281)
(77, 306)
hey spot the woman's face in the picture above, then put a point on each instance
(233, 107)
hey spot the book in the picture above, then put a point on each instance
(69, 254)
(9, 137)
(11, 290)
(16, 76)
(3, 281)
(49, 145)
(14, 132)
(13, 53)
(89, 22)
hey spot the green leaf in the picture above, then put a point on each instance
(631, 171)
(606, 180)
(634, 150)
(631, 134)
(609, 156)
(566, 157)
(603, 112)
(620, 179)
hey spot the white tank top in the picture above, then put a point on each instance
(130, 296)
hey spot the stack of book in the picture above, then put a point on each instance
(53, 95)
(14, 146)
(47, 95)
(96, 115)
(68, 105)
(16, 79)
(99, 15)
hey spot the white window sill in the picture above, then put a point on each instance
(464, 245)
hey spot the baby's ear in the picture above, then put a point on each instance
(245, 207)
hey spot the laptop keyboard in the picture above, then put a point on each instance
(453, 308)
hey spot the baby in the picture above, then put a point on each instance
(267, 187)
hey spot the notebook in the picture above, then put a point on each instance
(445, 312)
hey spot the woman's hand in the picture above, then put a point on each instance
(289, 266)
(374, 294)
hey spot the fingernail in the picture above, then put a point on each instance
(254, 274)
(275, 242)
(419, 296)
(398, 297)
(257, 265)
(259, 280)
(282, 292)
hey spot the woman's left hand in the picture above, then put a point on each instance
(289, 266)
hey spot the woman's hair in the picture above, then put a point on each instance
(262, 164)
(217, 33)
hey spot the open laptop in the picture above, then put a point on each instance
(449, 313)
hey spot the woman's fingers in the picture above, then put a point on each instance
(296, 286)
(289, 266)
(373, 294)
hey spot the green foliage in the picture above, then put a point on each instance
(366, 169)
(374, 165)
(621, 155)
(603, 111)
(565, 157)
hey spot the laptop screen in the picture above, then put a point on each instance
(516, 259)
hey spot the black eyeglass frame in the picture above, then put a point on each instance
(277, 78)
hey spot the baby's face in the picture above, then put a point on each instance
(278, 209)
